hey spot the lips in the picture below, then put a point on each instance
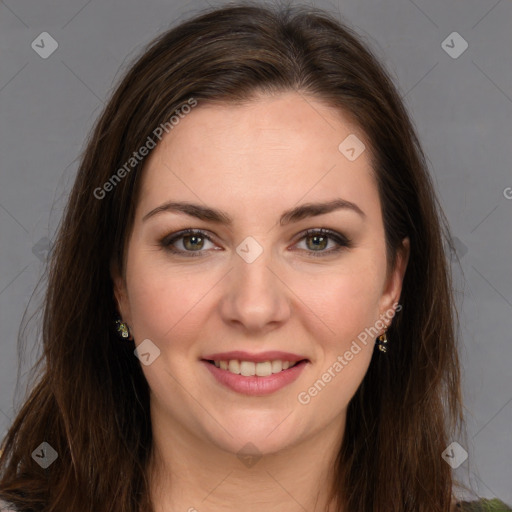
(255, 386)
(255, 374)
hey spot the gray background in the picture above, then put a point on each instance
(462, 108)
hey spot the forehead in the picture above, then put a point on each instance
(273, 150)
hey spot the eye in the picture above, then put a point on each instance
(193, 242)
(316, 240)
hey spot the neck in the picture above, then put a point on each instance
(190, 473)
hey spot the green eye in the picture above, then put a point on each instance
(317, 241)
(193, 240)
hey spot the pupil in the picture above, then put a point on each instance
(319, 241)
(194, 239)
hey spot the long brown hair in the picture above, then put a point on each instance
(91, 400)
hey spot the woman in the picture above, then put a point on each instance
(249, 304)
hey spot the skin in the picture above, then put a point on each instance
(254, 161)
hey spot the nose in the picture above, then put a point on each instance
(255, 298)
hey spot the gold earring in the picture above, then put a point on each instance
(382, 341)
(123, 329)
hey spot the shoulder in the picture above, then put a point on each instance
(6, 507)
(494, 505)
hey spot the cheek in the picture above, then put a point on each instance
(345, 301)
(348, 304)
(164, 299)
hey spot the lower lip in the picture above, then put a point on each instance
(256, 386)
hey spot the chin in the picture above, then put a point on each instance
(265, 432)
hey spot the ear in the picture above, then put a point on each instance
(393, 287)
(120, 293)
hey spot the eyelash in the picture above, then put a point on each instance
(341, 240)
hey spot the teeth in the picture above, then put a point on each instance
(264, 369)
(234, 366)
(250, 369)
(277, 366)
(247, 368)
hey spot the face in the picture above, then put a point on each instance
(252, 285)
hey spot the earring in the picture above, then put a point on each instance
(381, 342)
(122, 329)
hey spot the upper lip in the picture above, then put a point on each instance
(261, 357)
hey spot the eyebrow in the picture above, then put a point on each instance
(289, 216)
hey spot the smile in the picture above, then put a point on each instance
(254, 374)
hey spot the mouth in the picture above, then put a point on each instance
(255, 378)
(255, 374)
